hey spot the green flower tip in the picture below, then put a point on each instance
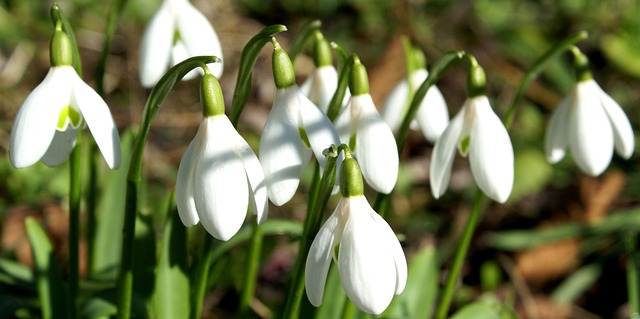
(351, 183)
(60, 52)
(283, 73)
(211, 97)
(581, 65)
(321, 51)
(358, 79)
(476, 79)
(419, 60)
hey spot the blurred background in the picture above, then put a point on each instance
(578, 274)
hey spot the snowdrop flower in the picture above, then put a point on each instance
(176, 32)
(590, 124)
(475, 131)
(219, 175)
(361, 127)
(432, 116)
(322, 83)
(47, 123)
(370, 260)
(294, 124)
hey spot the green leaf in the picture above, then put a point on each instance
(577, 283)
(247, 61)
(419, 296)
(334, 296)
(623, 51)
(302, 38)
(479, 310)
(532, 172)
(98, 308)
(171, 295)
(51, 292)
(15, 274)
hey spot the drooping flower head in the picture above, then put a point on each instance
(176, 32)
(477, 132)
(322, 83)
(589, 123)
(432, 116)
(370, 260)
(360, 126)
(295, 127)
(219, 175)
(48, 121)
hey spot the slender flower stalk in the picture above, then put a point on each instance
(176, 32)
(370, 259)
(589, 123)
(295, 127)
(360, 126)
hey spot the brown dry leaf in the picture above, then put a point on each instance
(549, 310)
(549, 261)
(599, 194)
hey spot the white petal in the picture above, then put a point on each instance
(394, 249)
(393, 110)
(36, 121)
(319, 260)
(179, 54)
(198, 36)
(433, 115)
(444, 151)
(376, 148)
(557, 137)
(591, 135)
(322, 86)
(368, 276)
(255, 176)
(184, 185)
(98, 118)
(283, 155)
(320, 132)
(490, 152)
(155, 49)
(622, 131)
(344, 125)
(220, 185)
(61, 146)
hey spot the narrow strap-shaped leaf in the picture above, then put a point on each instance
(344, 68)
(247, 61)
(58, 15)
(302, 38)
(51, 292)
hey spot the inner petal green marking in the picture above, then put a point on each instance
(69, 115)
(464, 145)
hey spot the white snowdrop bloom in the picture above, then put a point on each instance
(46, 125)
(219, 176)
(176, 32)
(590, 124)
(475, 131)
(360, 126)
(370, 260)
(295, 127)
(432, 116)
(320, 86)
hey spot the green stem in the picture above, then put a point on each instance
(92, 202)
(461, 253)
(344, 69)
(201, 277)
(304, 35)
(112, 24)
(134, 175)
(251, 274)
(296, 290)
(75, 162)
(349, 310)
(537, 68)
(633, 267)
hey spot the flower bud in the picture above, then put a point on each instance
(358, 79)
(60, 52)
(476, 80)
(581, 65)
(211, 97)
(283, 73)
(351, 183)
(321, 51)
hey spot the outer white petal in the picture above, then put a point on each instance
(394, 249)
(323, 85)
(320, 132)
(557, 138)
(258, 193)
(622, 131)
(178, 54)
(36, 121)
(61, 146)
(376, 148)
(344, 124)
(444, 151)
(220, 185)
(490, 152)
(319, 259)
(198, 36)
(591, 135)
(394, 106)
(98, 118)
(155, 50)
(433, 115)
(283, 155)
(184, 184)
(368, 276)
